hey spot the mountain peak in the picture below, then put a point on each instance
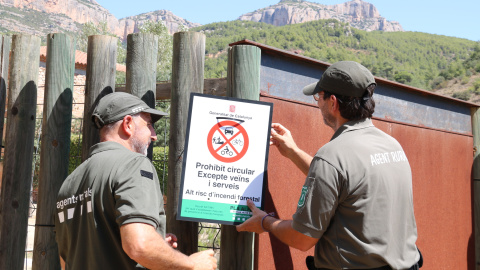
(357, 13)
(295, 1)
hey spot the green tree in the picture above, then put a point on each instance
(424, 56)
(473, 62)
(165, 47)
(403, 77)
(90, 29)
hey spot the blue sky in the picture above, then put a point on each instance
(441, 17)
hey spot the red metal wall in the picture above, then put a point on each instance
(441, 164)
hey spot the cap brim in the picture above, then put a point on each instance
(311, 89)
(155, 114)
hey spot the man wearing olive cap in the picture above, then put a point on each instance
(356, 206)
(109, 211)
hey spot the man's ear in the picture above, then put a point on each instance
(333, 102)
(128, 126)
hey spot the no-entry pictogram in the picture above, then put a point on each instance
(228, 141)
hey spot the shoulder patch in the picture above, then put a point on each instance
(301, 201)
(146, 174)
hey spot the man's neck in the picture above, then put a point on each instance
(340, 121)
(117, 139)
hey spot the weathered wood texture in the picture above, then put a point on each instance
(100, 81)
(476, 182)
(187, 76)
(20, 131)
(216, 87)
(55, 144)
(243, 81)
(142, 50)
(5, 43)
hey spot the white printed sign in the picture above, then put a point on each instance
(225, 158)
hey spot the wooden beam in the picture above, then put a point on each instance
(243, 81)
(142, 50)
(141, 74)
(55, 145)
(5, 43)
(216, 87)
(187, 76)
(100, 81)
(20, 132)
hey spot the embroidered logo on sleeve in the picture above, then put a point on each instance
(146, 174)
(301, 201)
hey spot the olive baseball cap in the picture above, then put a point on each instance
(346, 78)
(115, 106)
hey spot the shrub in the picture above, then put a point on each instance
(476, 87)
(463, 95)
(437, 82)
(465, 80)
(75, 157)
(160, 162)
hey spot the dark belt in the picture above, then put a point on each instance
(311, 266)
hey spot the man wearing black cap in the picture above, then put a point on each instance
(356, 206)
(109, 212)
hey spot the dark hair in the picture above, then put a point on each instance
(355, 108)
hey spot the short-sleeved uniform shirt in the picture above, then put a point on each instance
(357, 199)
(113, 187)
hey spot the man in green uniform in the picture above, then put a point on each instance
(356, 206)
(109, 212)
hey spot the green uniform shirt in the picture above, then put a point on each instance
(357, 199)
(113, 187)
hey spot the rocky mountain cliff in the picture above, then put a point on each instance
(40, 17)
(359, 14)
(173, 22)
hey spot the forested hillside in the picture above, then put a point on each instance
(418, 59)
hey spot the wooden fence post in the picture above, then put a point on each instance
(20, 132)
(55, 145)
(476, 182)
(142, 50)
(187, 76)
(243, 81)
(5, 42)
(100, 81)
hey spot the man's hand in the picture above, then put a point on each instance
(281, 229)
(204, 260)
(254, 223)
(171, 239)
(283, 140)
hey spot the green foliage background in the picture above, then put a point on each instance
(421, 60)
(416, 59)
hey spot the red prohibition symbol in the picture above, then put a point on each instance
(227, 141)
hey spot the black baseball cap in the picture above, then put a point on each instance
(346, 78)
(115, 106)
